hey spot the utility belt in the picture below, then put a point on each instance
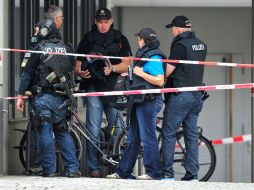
(150, 97)
(143, 97)
(50, 90)
(205, 95)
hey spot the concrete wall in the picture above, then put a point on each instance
(227, 32)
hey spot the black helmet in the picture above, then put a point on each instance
(43, 31)
(95, 66)
(47, 28)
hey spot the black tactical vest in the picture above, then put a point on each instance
(53, 67)
(186, 75)
(149, 50)
(138, 83)
(105, 43)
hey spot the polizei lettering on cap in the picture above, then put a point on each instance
(198, 47)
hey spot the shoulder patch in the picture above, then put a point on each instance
(24, 62)
(27, 55)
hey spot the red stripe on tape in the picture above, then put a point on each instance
(95, 93)
(245, 65)
(170, 61)
(207, 88)
(238, 138)
(18, 50)
(247, 85)
(169, 90)
(128, 92)
(211, 63)
(219, 141)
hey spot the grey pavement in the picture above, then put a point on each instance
(82, 183)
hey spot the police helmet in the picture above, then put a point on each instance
(46, 27)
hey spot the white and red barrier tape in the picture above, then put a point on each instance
(167, 90)
(163, 90)
(229, 140)
(210, 63)
(232, 140)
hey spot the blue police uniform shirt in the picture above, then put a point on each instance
(154, 68)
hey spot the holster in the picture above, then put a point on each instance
(205, 95)
(139, 98)
(150, 97)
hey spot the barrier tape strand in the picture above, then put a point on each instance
(168, 90)
(209, 63)
(229, 140)
(232, 140)
(157, 91)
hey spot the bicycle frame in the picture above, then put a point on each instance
(81, 127)
(74, 123)
(71, 105)
(85, 133)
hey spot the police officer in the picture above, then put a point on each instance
(183, 108)
(102, 39)
(144, 109)
(55, 13)
(50, 70)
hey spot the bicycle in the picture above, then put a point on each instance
(28, 147)
(207, 155)
(110, 151)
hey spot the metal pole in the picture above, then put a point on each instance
(231, 159)
(252, 98)
(1, 107)
(1, 135)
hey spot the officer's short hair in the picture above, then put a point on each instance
(53, 11)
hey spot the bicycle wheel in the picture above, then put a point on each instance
(34, 151)
(77, 142)
(119, 147)
(207, 157)
(34, 155)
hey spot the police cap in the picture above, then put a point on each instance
(180, 21)
(103, 13)
(147, 33)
